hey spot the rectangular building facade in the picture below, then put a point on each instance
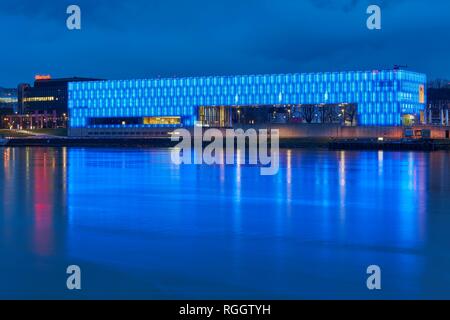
(382, 97)
(46, 96)
(8, 101)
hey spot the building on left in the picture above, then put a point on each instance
(41, 105)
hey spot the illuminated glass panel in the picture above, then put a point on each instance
(382, 97)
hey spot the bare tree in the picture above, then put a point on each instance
(331, 113)
(307, 112)
(322, 110)
(328, 113)
(350, 113)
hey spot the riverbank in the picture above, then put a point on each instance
(394, 144)
(292, 143)
(61, 132)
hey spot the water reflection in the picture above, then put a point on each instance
(33, 197)
(131, 214)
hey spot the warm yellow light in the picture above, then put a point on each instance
(162, 120)
(421, 94)
(38, 99)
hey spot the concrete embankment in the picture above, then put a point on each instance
(325, 143)
(394, 145)
(91, 142)
(157, 142)
(331, 136)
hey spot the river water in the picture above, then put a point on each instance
(140, 226)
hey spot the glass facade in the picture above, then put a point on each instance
(382, 97)
(8, 101)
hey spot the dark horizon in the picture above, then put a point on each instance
(172, 38)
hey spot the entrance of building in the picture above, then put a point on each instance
(218, 117)
(229, 116)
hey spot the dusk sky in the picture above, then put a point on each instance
(151, 38)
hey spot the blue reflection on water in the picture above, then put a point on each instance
(142, 227)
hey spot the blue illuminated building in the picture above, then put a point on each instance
(382, 97)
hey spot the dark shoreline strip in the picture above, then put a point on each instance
(324, 143)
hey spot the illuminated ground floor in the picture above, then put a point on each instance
(320, 115)
(34, 121)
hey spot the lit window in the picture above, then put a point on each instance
(162, 120)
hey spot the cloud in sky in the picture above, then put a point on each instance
(142, 38)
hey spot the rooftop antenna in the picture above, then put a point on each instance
(400, 67)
